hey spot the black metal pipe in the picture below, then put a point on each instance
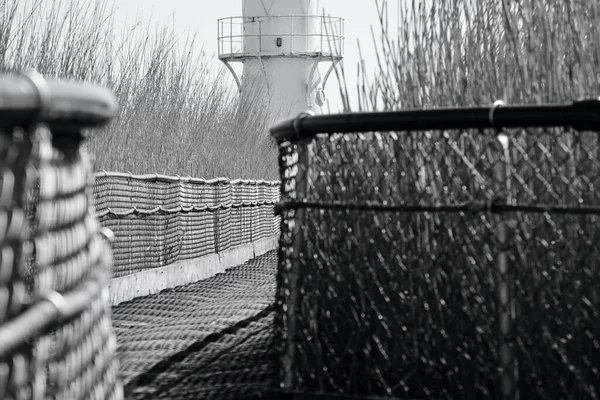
(581, 115)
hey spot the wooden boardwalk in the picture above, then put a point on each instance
(206, 340)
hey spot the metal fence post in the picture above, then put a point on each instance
(504, 284)
(300, 182)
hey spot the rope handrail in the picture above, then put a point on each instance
(182, 209)
(44, 314)
(183, 179)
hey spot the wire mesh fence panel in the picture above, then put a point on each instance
(442, 263)
(56, 336)
(159, 220)
(555, 257)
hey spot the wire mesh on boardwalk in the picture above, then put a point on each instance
(207, 340)
(441, 254)
(56, 338)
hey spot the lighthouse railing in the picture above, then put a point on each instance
(234, 42)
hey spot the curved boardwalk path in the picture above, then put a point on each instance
(205, 340)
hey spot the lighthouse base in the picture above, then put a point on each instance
(281, 85)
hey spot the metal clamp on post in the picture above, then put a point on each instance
(504, 141)
(298, 120)
(497, 104)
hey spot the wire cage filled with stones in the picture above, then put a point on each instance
(56, 337)
(444, 254)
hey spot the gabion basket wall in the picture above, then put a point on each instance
(56, 337)
(447, 254)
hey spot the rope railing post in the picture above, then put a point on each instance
(59, 268)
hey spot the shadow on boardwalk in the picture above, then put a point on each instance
(206, 340)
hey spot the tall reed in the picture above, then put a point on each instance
(175, 117)
(469, 52)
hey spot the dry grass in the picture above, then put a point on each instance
(470, 52)
(406, 303)
(174, 118)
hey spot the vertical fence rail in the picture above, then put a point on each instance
(297, 188)
(504, 275)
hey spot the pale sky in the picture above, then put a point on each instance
(201, 16)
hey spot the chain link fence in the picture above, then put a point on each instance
(56, 337)
(441, 254)
(158, 220)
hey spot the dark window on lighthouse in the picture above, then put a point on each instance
(279, 42)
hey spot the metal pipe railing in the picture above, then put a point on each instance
(581, 115)
(60, 276)
(226, 37)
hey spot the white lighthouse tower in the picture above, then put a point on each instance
(281, 44)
